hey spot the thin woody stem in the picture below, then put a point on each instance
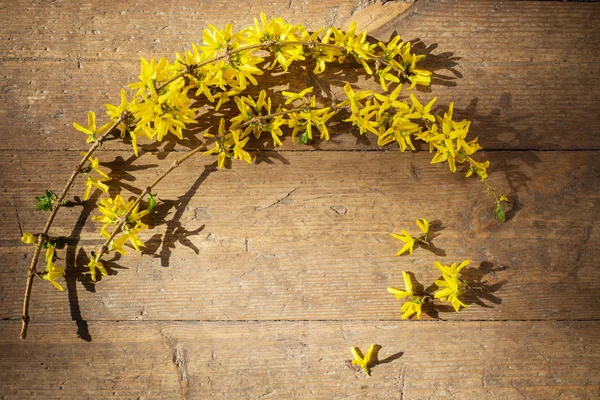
(422, 239)
(311, 43)
(381, 60)
(387, 64)
(55, 207)
(263, 117)
(286, 112)
(106, 246)
(227, 54)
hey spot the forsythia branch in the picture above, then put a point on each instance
(31, 273)
(220, 70)
(105, 247)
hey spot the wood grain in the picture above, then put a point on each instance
(166, 360)
(504, 32)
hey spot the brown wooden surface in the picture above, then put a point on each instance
(253, 285)
(174, 360)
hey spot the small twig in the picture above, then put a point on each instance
(259, 208)
(227, 55)
(106, 246)
(377, 60)
(269, 116)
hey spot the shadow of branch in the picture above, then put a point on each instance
(175, 232)
(73, 271)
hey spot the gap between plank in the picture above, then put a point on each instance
(487, 149)
(293, 321)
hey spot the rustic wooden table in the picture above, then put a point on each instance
(253, 285)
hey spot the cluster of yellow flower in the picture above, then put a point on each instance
(222, 66)
(221, 69)
(52, 271)
(114, 211)
(391, 119)
(450, 286)
(255, 117)
(409, 241)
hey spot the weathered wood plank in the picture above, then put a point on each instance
(515, 32)
(439, 360)
(519, 85)
(264, 241)
(482, 31)
(110, 29)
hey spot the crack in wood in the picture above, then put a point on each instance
(179, 359)
(18, 216)
(260, 208)
(415, 172)
(403, 384)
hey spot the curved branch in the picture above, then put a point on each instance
(55, 207)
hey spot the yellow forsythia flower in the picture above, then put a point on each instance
(97, 183)
(220, 148)
(451, 287)
(150, 73)
(420, 111)
(52, 272)
(96, 264)
(279, 31)
(423, 224)
(115, 112)
(91, 182)
(364, 361)
(91, 130)
(411, 307)
(480, 168)
(28, 238)
(114, 209)
(131, 234)
(167, 111)
(409, 242)
(413, 304)
(238, 148)
(291, 96)
(401, 294)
